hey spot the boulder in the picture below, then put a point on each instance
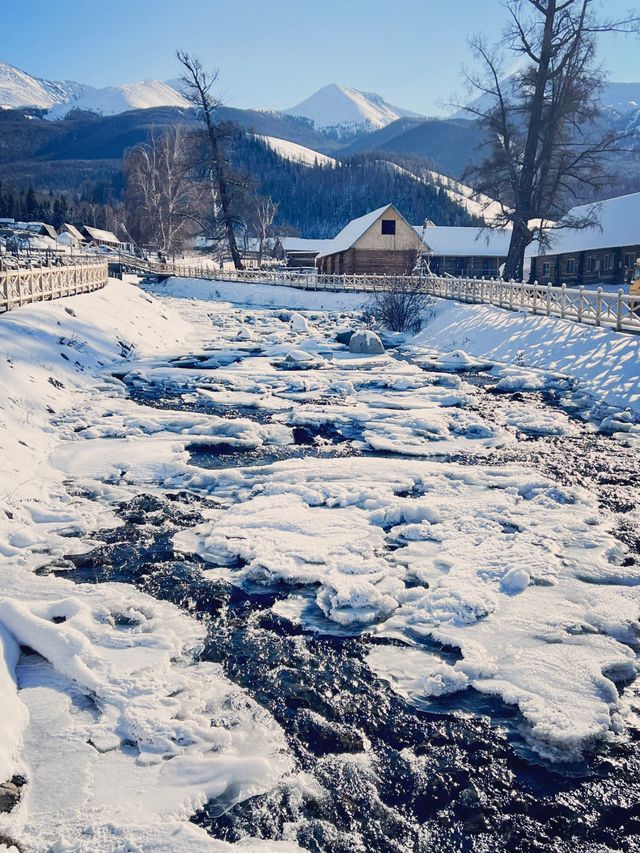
(299, 323)
(343, 336)
(366, 342)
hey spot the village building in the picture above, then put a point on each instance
(379, 243)
(69, 235)
(99, 237)
(299, 252)
(464, 252)
(604, 254)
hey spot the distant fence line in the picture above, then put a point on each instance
(619, 311)
(41, 282)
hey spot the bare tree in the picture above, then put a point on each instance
(161, 198)
(265, 211)
(197, 85)
(544, 147)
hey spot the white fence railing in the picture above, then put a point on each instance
(20, 285)
(617, 310)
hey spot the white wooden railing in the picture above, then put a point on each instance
(40, 281)
(617, 310)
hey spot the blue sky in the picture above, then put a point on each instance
(272, 54)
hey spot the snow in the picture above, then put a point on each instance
(121, 732)
(451, 240)
(297, 153)
(617, 226)
(335, 107)
(112, 100)
(600, 362)
(19, 89)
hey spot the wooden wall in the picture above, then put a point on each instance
(614, 265)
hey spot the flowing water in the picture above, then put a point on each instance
(379, 774)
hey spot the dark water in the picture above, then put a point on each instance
(385, 776)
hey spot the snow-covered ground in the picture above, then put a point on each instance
(120, 731)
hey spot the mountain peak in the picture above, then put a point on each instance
(343, 110)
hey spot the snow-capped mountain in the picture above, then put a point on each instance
(346, 111)
(119, 99)
(19, 89)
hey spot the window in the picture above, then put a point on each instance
(388, 226)
(591, 263)
(606, 262)
(629, 260)
(546, 269)
(570, 266)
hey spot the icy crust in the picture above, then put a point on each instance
(147, 734)
(519, 574)
(119, 731)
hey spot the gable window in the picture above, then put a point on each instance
(388, 226)
(570, 266)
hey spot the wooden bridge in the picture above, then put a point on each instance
(43, 280)
(616, 310)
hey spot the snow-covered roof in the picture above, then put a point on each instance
(100, 234)
(352, 232)
(72, 230)
(459, 241)
(619, 226)
(304, 244)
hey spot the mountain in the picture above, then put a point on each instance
(448, 145)
(19, 89)
(119, 99)
(344, 112)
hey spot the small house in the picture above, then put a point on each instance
(300, 252)
(99, 237)
(604, 254)
(379, 243)
(465, 252)
(69, 235)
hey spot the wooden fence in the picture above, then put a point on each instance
(20, 285)
(617, 310)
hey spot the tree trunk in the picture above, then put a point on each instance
(520, 239)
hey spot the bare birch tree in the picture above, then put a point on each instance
(161, 198)
(544, 147)
(265, 211)
(198, 84)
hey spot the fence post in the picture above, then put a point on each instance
(598, 305)
(619, 311)
(563, 301)
(548, 298)
(580, 301)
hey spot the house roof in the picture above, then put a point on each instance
(71, 229)
(303, 244)
(100, 234)
(352, 232)
(619, 226)
(461, 241)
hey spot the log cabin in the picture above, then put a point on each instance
(379, 243)
(603, 254)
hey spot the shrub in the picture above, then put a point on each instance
(399, 308)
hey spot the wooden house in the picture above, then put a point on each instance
(465, 252)
(300, 252)
(379, 243)
(604, 254)
(99, 237)
(74, 238)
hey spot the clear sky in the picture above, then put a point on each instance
(272, 54)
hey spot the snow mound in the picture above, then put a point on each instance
(119, 99)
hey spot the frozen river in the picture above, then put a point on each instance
(423, 566)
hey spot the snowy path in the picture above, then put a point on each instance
(383, 500)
